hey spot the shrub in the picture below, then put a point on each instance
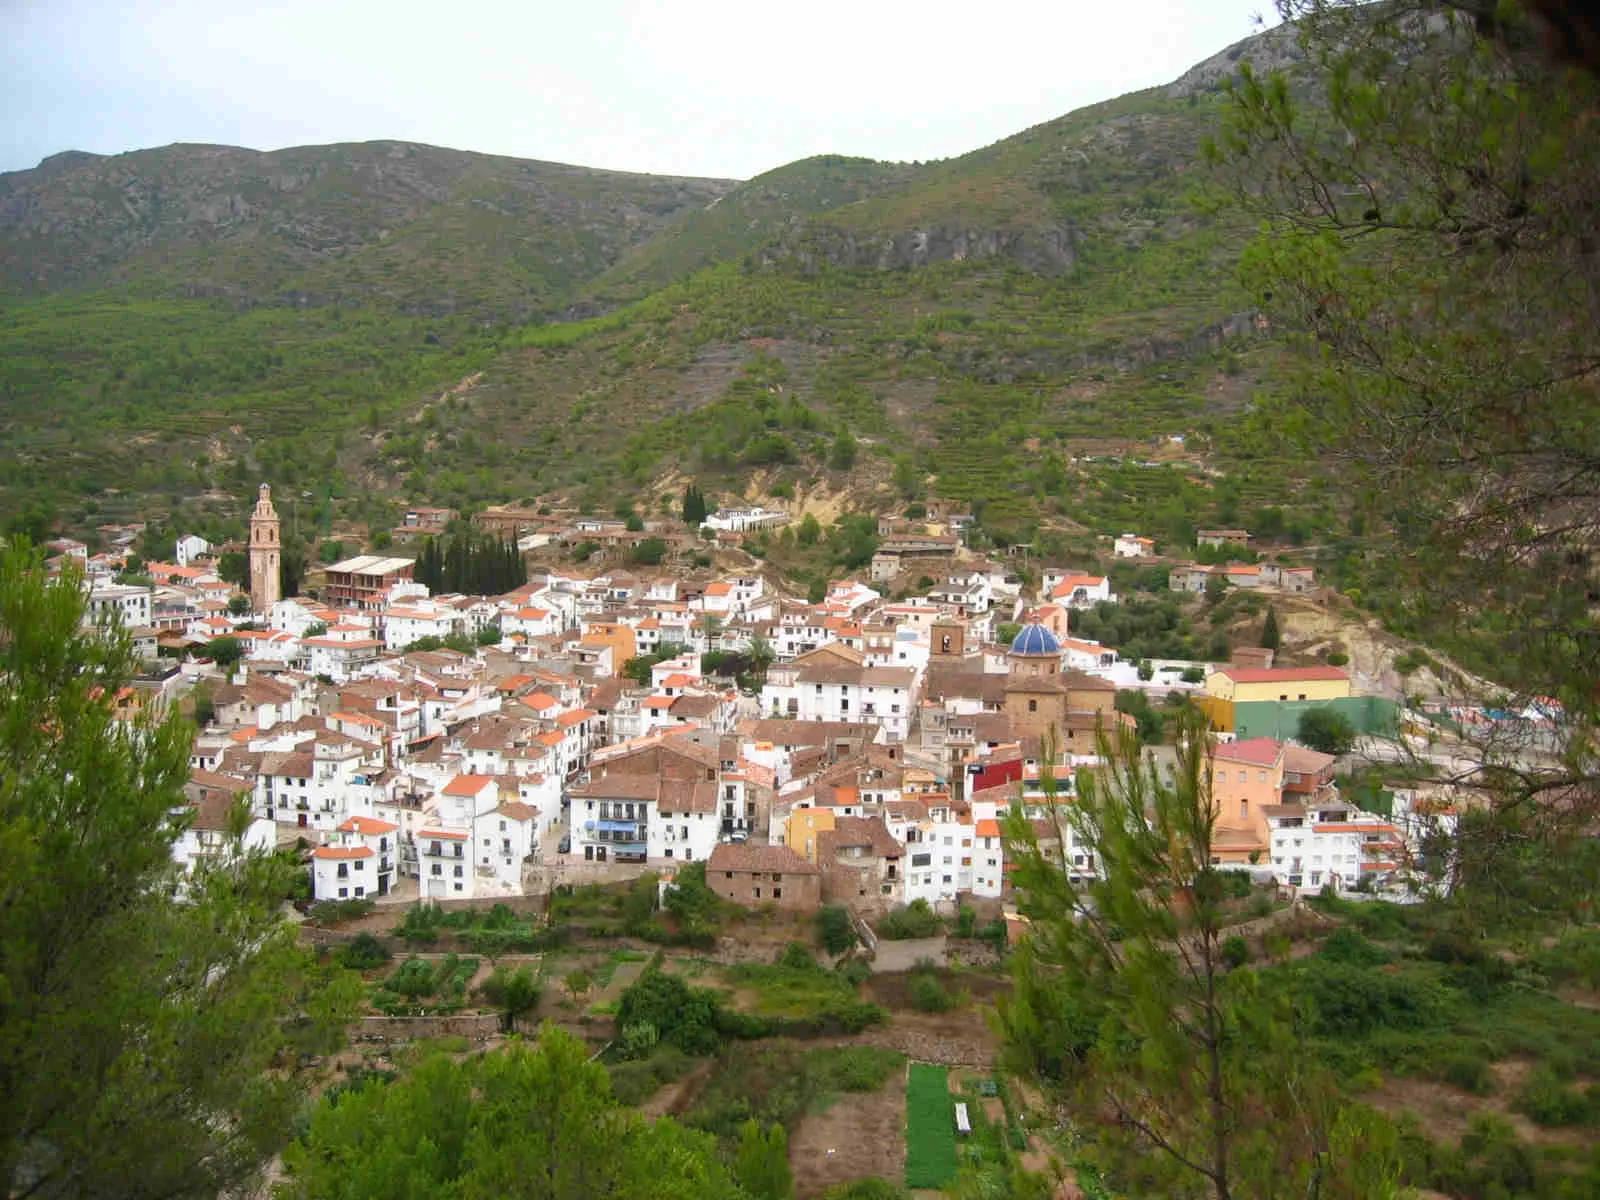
(1468, 1072)
(1235, 951)
(1546, 1100)
(412, 979)
(927, 994)
(855, 971)
(797, 957)
(1347, 1001)
(363, 953)
(865, 1189)
(1349, 947)
(1193, 675)
(333, 912)
(915, 920)
(835, 930)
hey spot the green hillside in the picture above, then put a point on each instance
(881, 332)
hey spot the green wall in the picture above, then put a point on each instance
(1280, 719)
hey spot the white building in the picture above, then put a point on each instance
(1078, 591)
(190, 547)
(1130, 545)
(341, 652)
(360, 861)
(111, 602)
(740, 520)
(477, 840)
(835, 683)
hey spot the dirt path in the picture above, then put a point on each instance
(675, 1099)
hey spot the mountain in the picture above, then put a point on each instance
(346, 320)
(424, 229)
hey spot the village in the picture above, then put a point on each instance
(594, 726)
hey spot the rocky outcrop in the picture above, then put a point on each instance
(1049, 251)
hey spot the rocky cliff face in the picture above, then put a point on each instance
(1048, 251)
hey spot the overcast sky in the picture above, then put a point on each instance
(725, 88)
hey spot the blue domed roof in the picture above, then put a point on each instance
(1035, 639)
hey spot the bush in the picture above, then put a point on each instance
(1349, 947)
(333, 912)
(915, 920)
(1468, 1072)
(1349, 1002)
(1546, 1100)
(797, 957)
(363, 953)
(634, 1082)
(865, 1189)
(1193, 675)
(835, 930)
(1235, 951)
(927, 994)
(855, 971)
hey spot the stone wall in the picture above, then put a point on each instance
(480, 1027)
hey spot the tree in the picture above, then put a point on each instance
(514, 992)
(330, 551)
(1124, 999)
(238, 605)
(809, 531)
(649, 552)
(291, 569)
(694, 507)
(136, 1031)
(817, 590)
(761, 1162)
(1427, 240)
(842, 455)
(233, 567)
(224, 651)
(1326, 729)
(1269, 631)
(534, 1121)
(577, 982)
(835, 930)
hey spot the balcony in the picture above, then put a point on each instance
(637, 828)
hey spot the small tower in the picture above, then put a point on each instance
(265, 548)
(948, 641)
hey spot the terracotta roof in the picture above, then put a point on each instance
(1261, 751)
(727, 856)
(367, 825)
(576, 717)
(988, 828)
(442, 833)
(518, 811)
(467, 785)
(1305, 761)
(327, 852)
(1283, 674)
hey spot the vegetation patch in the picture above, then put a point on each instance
(930, 1128)
(779, 1082)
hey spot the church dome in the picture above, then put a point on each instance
(1035, 639)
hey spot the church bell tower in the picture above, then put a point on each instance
(265, 549)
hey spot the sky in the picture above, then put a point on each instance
(723, 88)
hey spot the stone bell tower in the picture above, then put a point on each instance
(265, 547)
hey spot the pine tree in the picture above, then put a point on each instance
(1269, 632)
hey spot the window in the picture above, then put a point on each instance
(1244, 810)
(437, 869)
(758, 893)
(459, 872)
(1244, 776)
(729, 874)
(360, 865)
(1261, 776)
(777, 893)
(343, 893)
(458, 887)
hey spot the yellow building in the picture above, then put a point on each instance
(1246, 685)
(619, 637)
(804, 826)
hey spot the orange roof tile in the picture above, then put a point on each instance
(467, 785)
(367, 825)
(443, 833)
(988, 828)
(327, 852)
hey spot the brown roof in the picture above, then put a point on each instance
(764, 859)
(518, 811)
(862, 831)
(1305, 761)
(807, 733)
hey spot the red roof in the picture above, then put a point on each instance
(1282, 674)
(576, 717)
(367, 825)
(988, 828)
(326, 852)
(442, 833)
(467, 785)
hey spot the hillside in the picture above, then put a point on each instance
(424, 229)
(1015, 329)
